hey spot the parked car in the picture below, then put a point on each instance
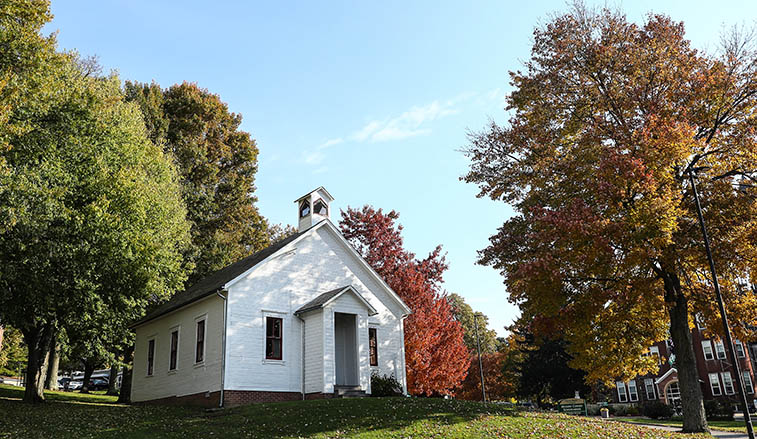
(75, 385)
(63, 383)
(98, 384)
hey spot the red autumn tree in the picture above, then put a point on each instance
(435, 354)
(498, 386)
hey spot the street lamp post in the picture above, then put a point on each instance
(723, 315)
(480, 368)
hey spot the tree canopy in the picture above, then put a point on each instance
(91, 212)
(464, 314)
(217, 163)
(607, 119)
(435, 354)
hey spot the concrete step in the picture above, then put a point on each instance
(349, 392)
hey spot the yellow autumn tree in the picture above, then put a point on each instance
(607, 119)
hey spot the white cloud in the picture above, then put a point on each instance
(408, 124)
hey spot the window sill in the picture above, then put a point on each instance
(276, 362)
(172, 372)
(200, 364)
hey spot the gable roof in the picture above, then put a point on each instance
(231, 274)
(329, 296)
(215, 281)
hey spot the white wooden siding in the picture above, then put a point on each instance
(188, 378)
(317, 263)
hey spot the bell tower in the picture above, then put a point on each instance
(313, 208)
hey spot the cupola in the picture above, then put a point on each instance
(313, 208)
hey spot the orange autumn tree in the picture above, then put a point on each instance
(606, 120)
(435, 354)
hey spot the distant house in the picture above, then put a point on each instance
(716, 374)
(304, 318)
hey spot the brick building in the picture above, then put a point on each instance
(716, 374)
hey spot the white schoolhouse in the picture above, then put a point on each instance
(304, 318)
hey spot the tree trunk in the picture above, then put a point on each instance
(2, 331)
(112, 379)
(38, 341)
(51, 382)
(89, 367)
(124, 396)
(694, 420)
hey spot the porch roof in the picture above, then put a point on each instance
(324, 299)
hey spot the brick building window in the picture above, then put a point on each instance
(633, 394)
(373, 345)
(622, 395)
(720, 350)
(273, 338)
(707, 350)
(649, 388)
(174, 350)
(715, 384)
(739, 346)
(200, 343)
(748, 386)
(727, 383)
(150, 356)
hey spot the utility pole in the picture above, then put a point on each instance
(480, 368)
(723, 315)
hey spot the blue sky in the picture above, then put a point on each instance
(370, 99)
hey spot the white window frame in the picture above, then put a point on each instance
(622, 396)
(748, 385)
(739, 346)
(154, 339)
(177, 330)
(715, 384)
(707, 349)
(654, 350)
(728, 381)
(284, 325)
(633, 395)
(720, 349)
(199, 319)
(649, 385)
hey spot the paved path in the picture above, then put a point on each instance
(716, 433)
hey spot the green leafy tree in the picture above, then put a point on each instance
(13, 352)
(217, 163)
(464, 314)
(92, 224)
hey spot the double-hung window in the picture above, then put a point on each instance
(739, 346)
(150, 357)
(720, 350)
(715, 384)
(654, 350)
(622, 395)
(707, 350)
(273, 338)
(649, 388)
(373, 346)
(748, 386)
(633, 394)
(200, 342)
(174, 350)
(727, 383)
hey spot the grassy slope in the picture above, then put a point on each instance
(79, 416)
(737, 426)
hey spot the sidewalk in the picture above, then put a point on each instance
(715, 433)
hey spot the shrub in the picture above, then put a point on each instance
(385, 385)
(633, 410)
(718, 410)
(656, 410)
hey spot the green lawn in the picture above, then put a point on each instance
(737, 426)
(70, 415)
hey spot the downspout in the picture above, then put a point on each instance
(303, 357)
(223, 344)
(404, 366)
